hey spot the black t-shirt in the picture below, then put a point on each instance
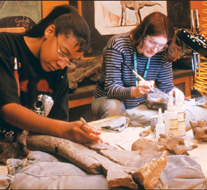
(36, 86)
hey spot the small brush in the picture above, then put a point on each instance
(136, 74)
(83, 121)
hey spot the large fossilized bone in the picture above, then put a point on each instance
(121, 167)
(145, 166)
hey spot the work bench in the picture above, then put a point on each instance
(125, 138)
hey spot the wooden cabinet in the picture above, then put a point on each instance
(183, 80)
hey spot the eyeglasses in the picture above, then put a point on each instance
(63, 56)
(152, 44)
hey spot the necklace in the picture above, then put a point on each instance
(136, 67)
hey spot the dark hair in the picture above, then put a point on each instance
(67, 21)
(156, 24)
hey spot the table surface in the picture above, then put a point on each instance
(125, 139)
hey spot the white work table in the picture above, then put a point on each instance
(125, 139)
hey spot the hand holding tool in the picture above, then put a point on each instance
(136, 74)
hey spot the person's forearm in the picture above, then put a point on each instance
(26, 119)
(119, 92)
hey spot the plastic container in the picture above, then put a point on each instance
(171, 119)
(181, 119)
(160, 127)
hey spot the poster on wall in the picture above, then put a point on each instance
(20, 13)
(180, 14)
(107, 18)
(113, 17)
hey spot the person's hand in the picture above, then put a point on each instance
(143, 88)
(178, 94)
(82, 133)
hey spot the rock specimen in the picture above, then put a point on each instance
(144, 133)
(13, 147)
(144, 144)
(157, 99)
(87, 70)
(199, 129)
(121, 167)
(173, 145)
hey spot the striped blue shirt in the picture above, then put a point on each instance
(117, 80)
